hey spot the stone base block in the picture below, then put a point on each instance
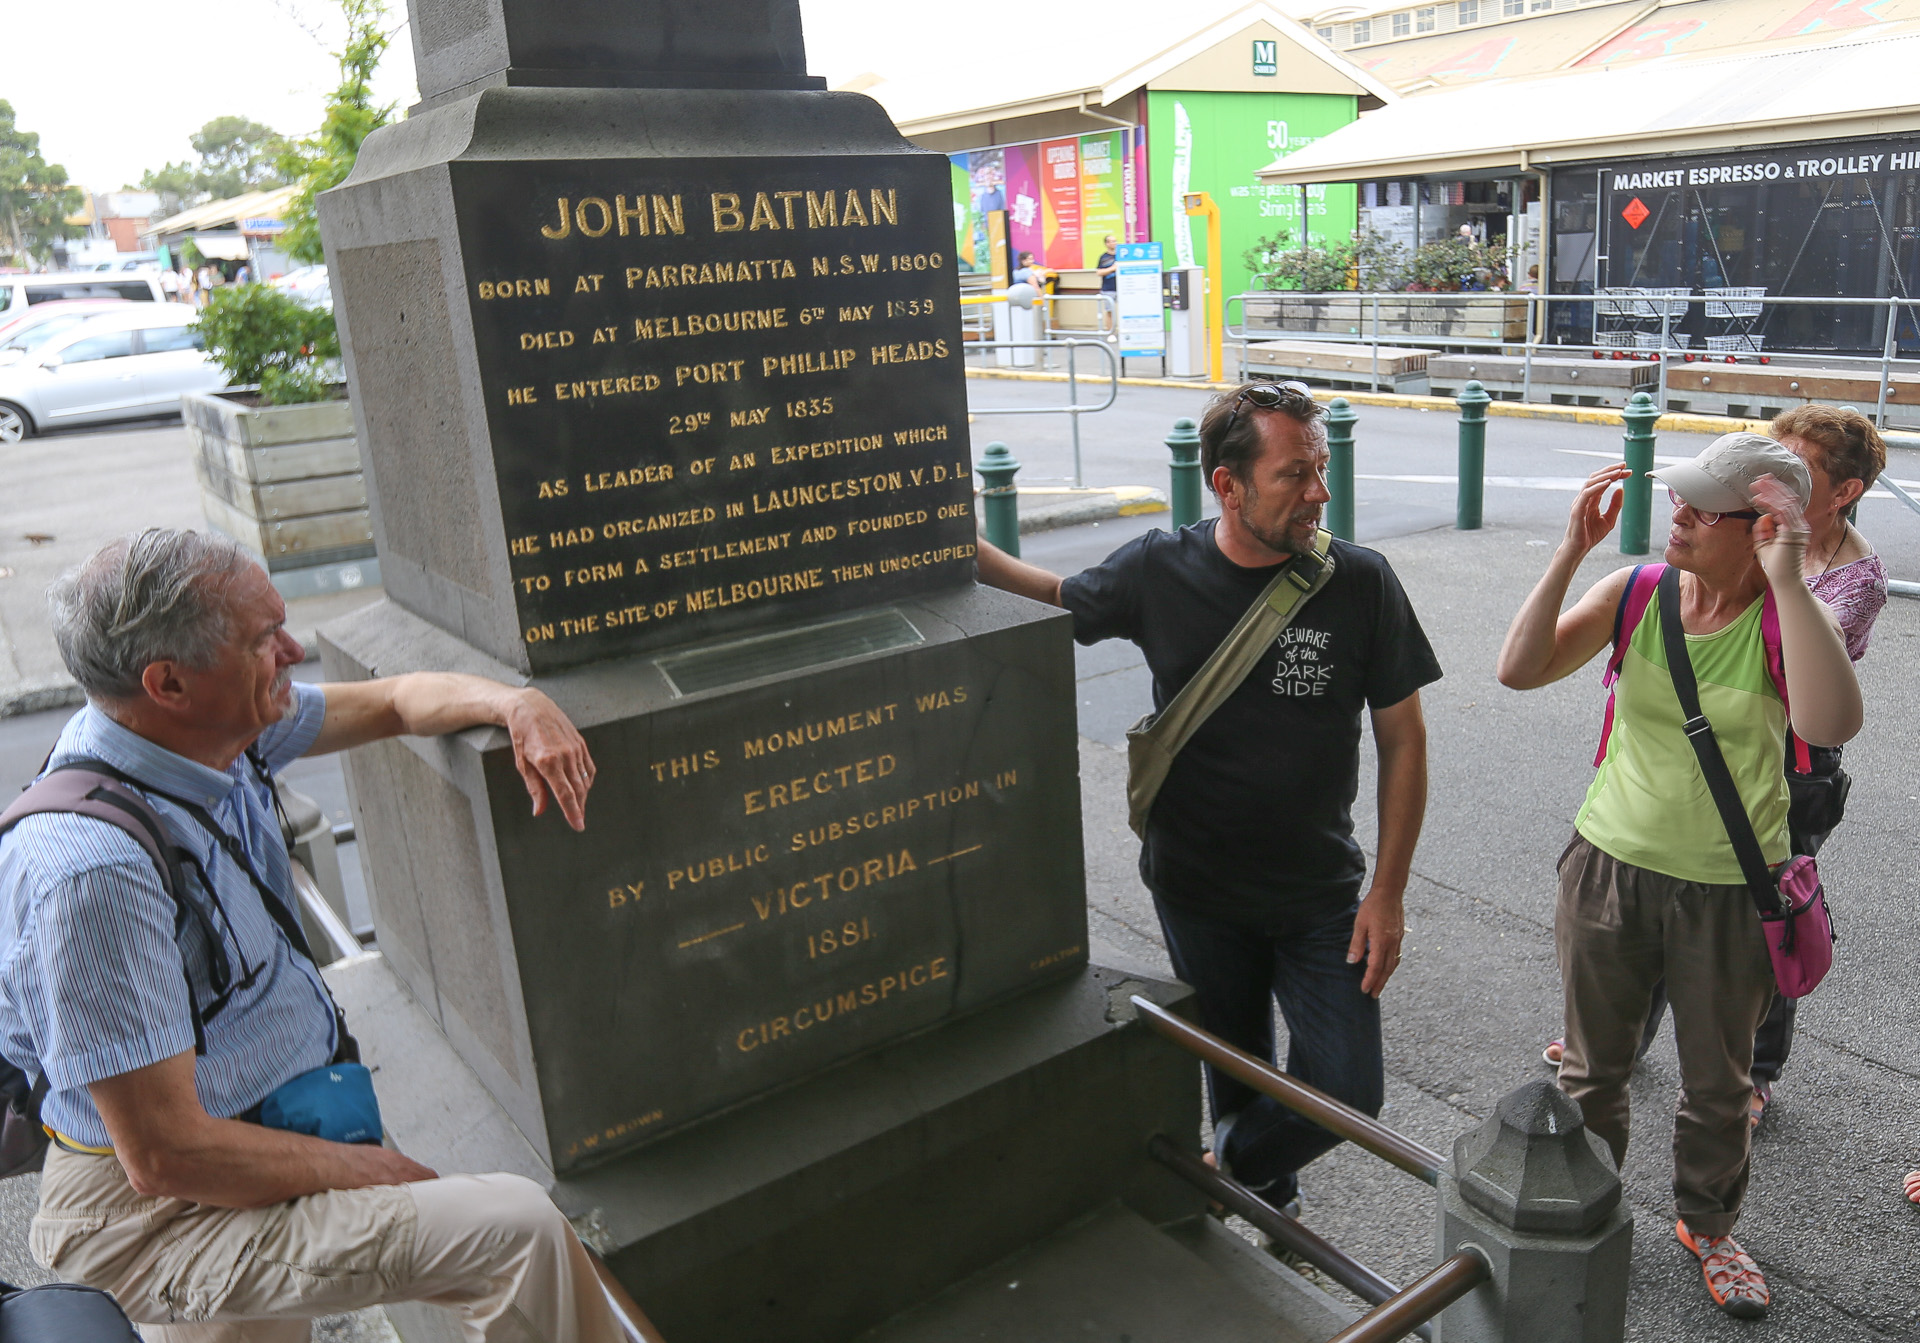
(814, 1214)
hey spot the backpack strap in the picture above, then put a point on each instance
(1642, 583)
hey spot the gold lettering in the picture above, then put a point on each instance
(566, 224)
(726, 213)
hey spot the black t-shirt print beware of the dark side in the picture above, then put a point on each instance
(1255, 820)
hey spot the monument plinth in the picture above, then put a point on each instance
(655, 353)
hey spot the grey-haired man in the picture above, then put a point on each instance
(206, 1227)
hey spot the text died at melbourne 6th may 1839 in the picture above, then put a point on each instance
(720, 396)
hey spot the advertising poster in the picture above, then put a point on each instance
(1137, 294)
(1101, 193)
(962, 212)
(1060, 202)
(987, 170)
(1216, 142)
(1024, 231)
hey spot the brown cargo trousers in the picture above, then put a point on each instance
(491, 1248)
(1618, 928)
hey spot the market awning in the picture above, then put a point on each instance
(1857, 86)
(221, 246)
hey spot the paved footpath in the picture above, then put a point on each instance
(1478, 993)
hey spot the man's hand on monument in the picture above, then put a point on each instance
(548, 750)
(1378, 930)
(551, 756)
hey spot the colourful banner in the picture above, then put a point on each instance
(1060, 202)
(1061, 198)
(1101, 194)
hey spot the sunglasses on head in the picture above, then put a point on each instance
(1268, 396)
(1710, 519)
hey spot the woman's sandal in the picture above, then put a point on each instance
(1554, 1052)
(1913, 1186)
(1734, 1281)
(1757, 1104)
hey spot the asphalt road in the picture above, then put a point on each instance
(1478, 994)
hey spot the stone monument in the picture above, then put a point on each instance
(656, 361)
(662, 403)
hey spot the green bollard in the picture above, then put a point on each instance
(1340, 420)
(1472, 491)
(999, 498)
(1184, 444)
(1636, 515)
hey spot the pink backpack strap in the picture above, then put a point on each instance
(1777, 673)
(1642, 583)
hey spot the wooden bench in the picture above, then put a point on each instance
(1557, 380)
(1336, 365)
(1759, 392)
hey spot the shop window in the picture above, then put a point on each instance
(1424, 20)
(1467, 11)
(1363, 30)
(1402, 24)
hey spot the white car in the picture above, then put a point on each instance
(119, 365)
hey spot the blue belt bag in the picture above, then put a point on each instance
(335, 1102)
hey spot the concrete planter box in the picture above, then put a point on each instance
(1435, 316)
(284, 481)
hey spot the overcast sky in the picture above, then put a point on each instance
(114, 87)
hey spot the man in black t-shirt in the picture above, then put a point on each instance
(1108, 268)
(1249, 848)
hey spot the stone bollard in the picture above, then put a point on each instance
(1539, 1196)
(1000, 498)
(1340, 421)
(1472, 491)
(1184, 444)
(1636, 514)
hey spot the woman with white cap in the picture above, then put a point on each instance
(1650, 880)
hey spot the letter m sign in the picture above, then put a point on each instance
(1266, 58)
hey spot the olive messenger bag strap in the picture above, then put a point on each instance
(1156, 739)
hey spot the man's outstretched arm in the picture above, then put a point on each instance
(1001, 570)
(547, 749)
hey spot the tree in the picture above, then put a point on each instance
(236, 156)
(324, 159)
(35, 198)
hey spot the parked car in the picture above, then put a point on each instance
(18, 292)
(39, 324)
(129, 261)
(308, 285)
(118, 365)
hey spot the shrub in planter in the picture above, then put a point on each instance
(264, 339)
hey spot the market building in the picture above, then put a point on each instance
(1114, 128)
(243, 230)
(1768, 147)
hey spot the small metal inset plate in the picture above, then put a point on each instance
(786, 651)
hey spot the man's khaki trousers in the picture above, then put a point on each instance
(1618, 928)
(491, 1248)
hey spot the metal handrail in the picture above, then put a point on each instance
(1539, 305)
(627, 1314)
(1361, 1130)
(314, 903)
(1073, 409)
(1421, 1300)
(1235, 1197)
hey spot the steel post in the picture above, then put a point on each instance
(1000, 498)
(1636, 515)
(1340, 421)
(1472, 489)
(1184, 444)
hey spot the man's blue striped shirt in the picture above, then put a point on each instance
(93, 982)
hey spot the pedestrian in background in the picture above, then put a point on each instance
(1650, 881)
(1108, 267)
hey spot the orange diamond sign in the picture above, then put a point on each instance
(1636, 212)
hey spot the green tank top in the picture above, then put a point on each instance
(1648, 804)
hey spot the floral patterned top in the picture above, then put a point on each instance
(1856, 592)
